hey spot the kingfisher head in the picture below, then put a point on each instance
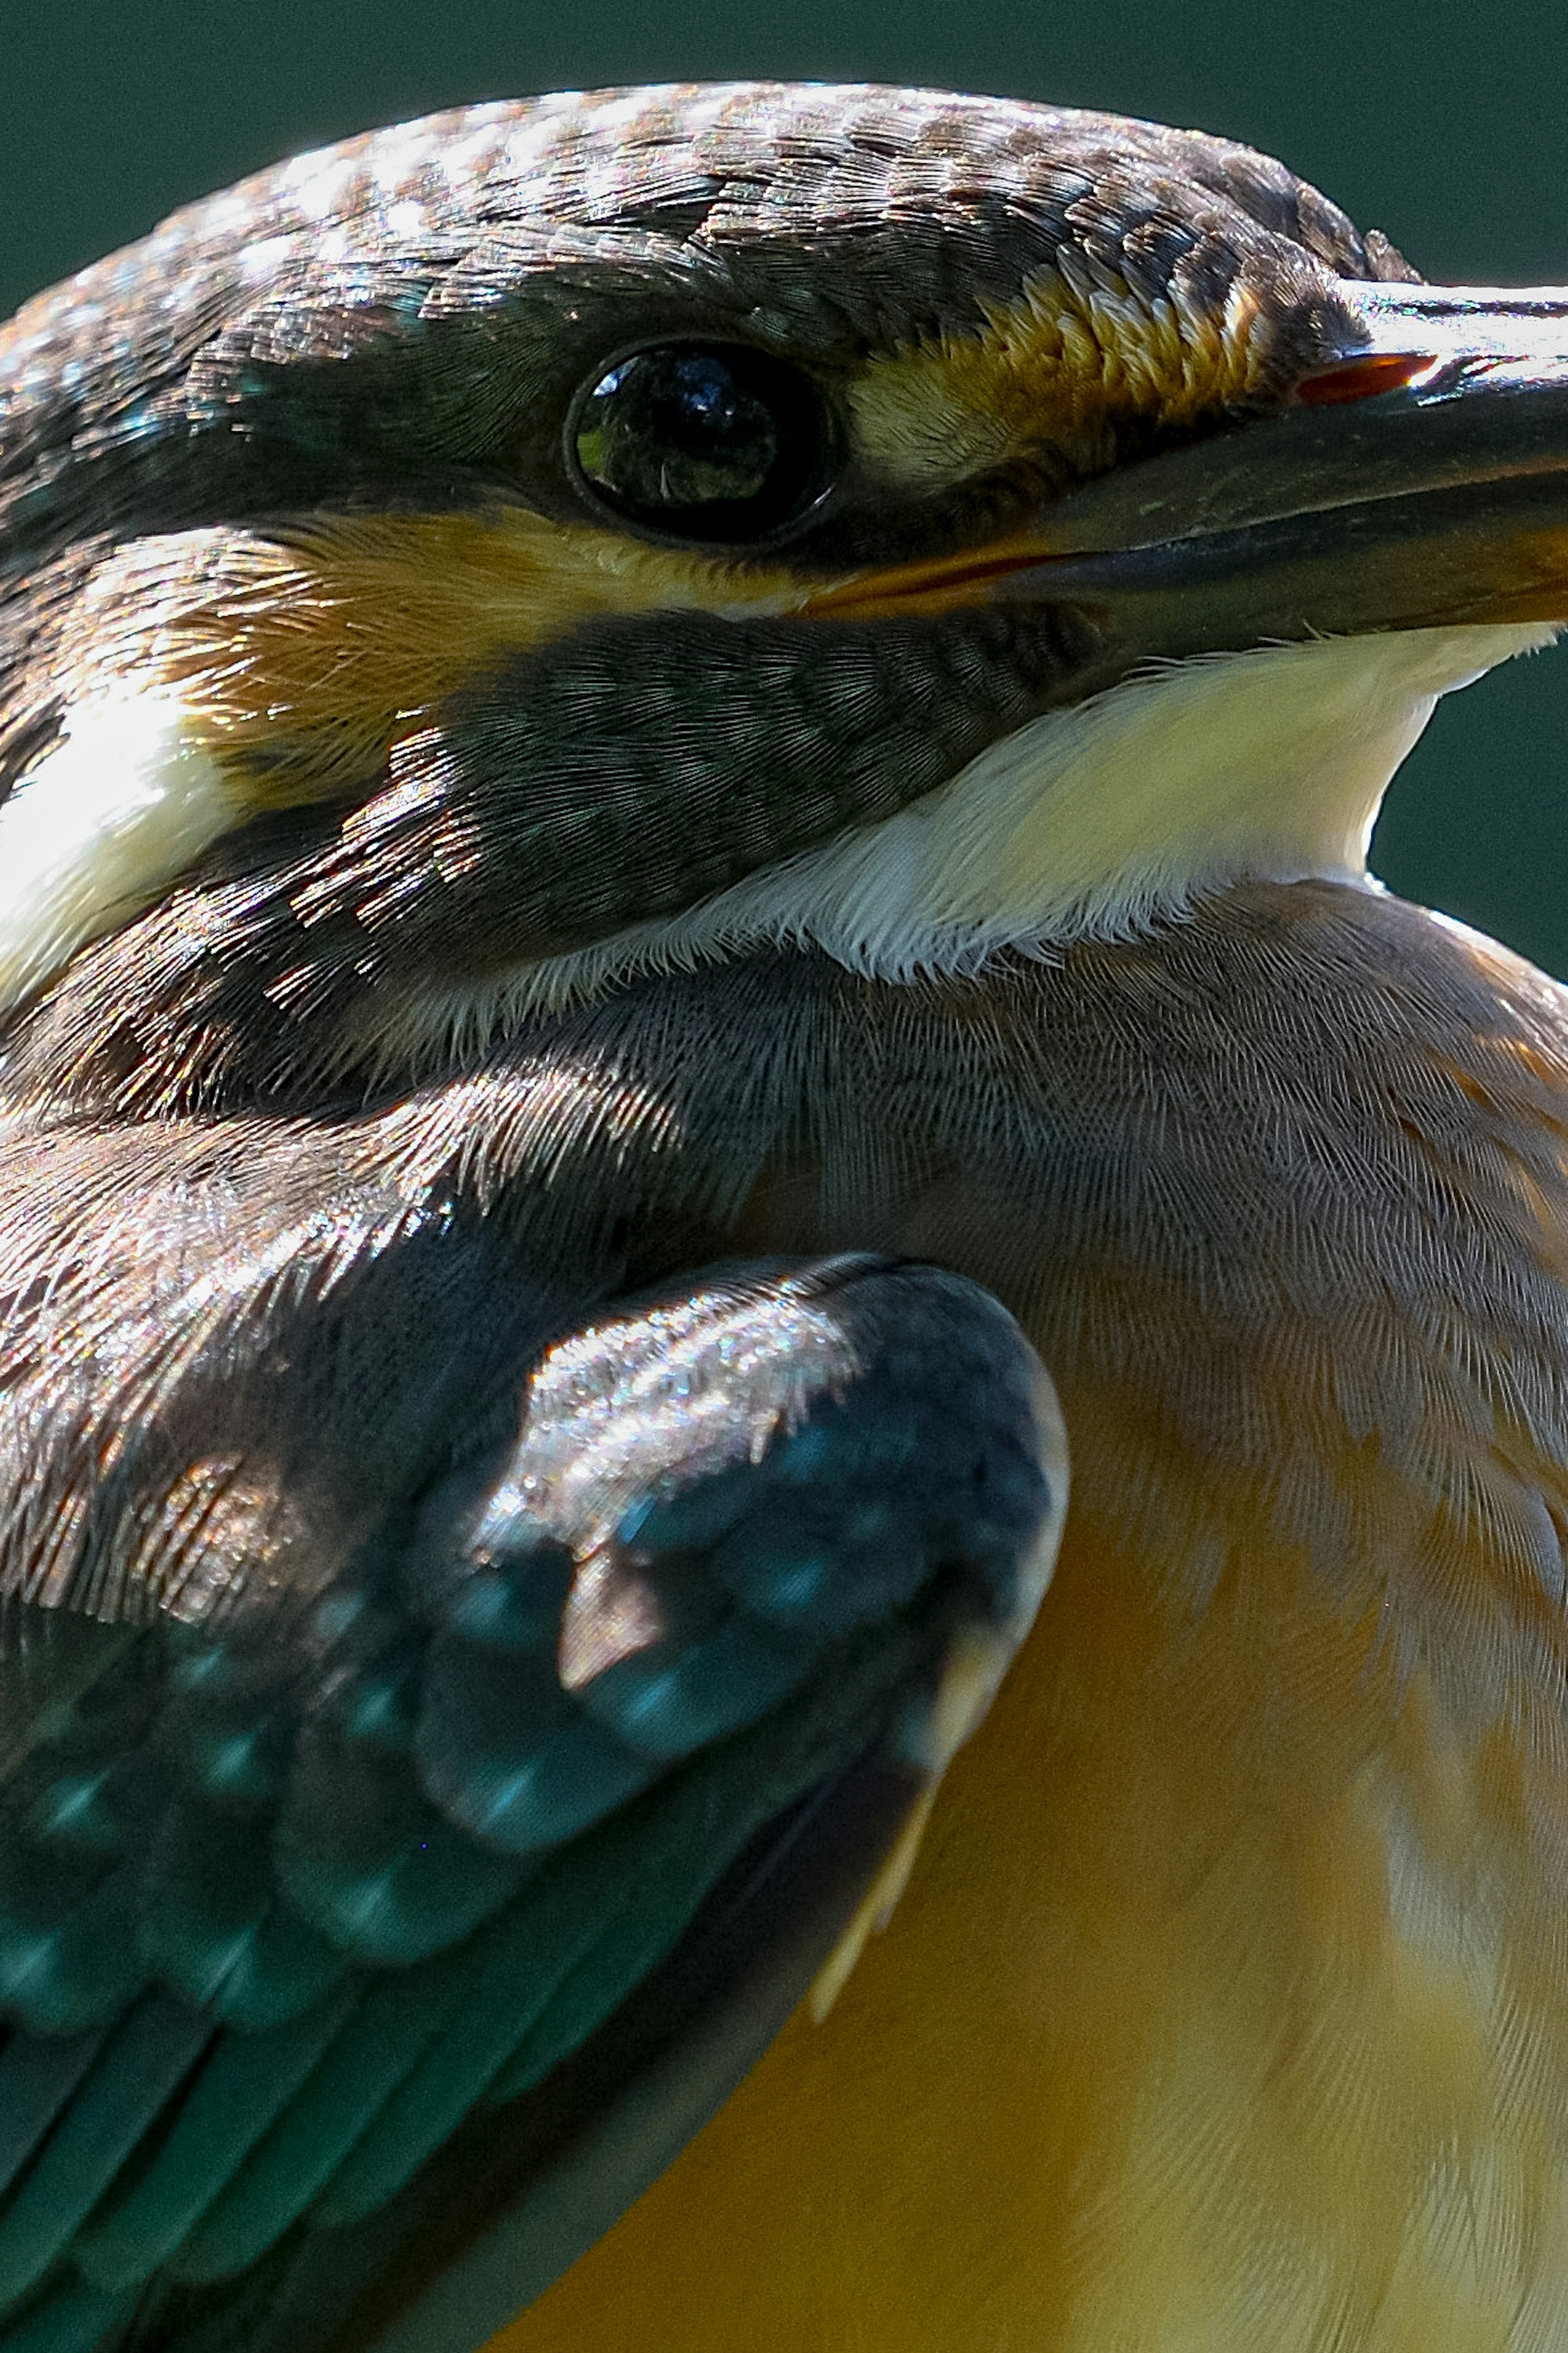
(471, 565)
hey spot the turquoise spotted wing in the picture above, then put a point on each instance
(367, 1943)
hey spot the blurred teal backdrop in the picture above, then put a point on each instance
(1439, 120)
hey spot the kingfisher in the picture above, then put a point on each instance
(687, 777)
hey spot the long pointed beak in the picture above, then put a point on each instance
(1419, 480)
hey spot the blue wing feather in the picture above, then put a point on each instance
(335, 1937)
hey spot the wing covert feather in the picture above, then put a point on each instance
(365, 1946)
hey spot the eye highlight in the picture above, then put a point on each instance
(708, 441)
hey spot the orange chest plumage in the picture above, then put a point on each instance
(1229, 2006)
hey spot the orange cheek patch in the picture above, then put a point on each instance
(301, 661)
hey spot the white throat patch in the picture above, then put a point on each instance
(1087, 822)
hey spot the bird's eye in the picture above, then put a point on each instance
(703, 441)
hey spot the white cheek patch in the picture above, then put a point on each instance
(110, 814)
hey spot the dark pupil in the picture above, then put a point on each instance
(694, 440)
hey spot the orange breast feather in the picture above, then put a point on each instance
(1229, 2006)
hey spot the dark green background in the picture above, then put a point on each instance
(1441, 120)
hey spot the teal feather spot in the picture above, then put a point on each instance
(206, 1889)
(571, 1948)
(832, 1562)
(71, 1812)
(540, 1795)
(367, 1860)
(690, 1518)
(65, 1964)
(517, 1607)
(282, 1968)
(664, 1706)
(504, 1750)
(243, 1763)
